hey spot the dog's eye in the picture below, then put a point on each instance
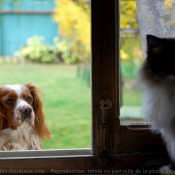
(29, 99)
(10, 101)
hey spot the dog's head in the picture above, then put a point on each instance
(20, 106)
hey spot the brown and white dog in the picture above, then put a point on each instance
(22, 121)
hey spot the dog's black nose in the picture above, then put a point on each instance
(26, 111)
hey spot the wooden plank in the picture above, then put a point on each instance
(105, 75)
(139, 138)
(75, 165)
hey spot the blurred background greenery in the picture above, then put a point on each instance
(63, 71)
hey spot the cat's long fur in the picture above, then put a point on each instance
(157, 79)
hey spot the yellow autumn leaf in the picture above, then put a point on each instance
(74, 26)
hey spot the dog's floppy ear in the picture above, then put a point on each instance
(2, 117)
(40, 125)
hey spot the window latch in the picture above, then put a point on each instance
(105, 105)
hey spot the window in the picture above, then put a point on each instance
(131, 58)
(115, 147)
(66, 85)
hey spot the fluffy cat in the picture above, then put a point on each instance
(157, 79)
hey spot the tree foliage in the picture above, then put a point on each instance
(128, 14)
(73, 17)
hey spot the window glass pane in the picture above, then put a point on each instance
(131, 58)
(48, 44)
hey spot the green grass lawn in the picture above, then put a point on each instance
(66, 101)
(131, 97)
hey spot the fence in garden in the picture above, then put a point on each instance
(22, 19)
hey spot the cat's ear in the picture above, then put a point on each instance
(154, 44)
(152, 41)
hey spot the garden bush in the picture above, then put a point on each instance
(64, 48)
(36, 51)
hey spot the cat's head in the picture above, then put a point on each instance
(160, 61)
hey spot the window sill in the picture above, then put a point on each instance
(45, 153)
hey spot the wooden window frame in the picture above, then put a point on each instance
(114, 146)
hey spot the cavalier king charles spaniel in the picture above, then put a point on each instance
(22, 121)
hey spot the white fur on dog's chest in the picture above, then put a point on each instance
(24, 138)
(20, 135)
